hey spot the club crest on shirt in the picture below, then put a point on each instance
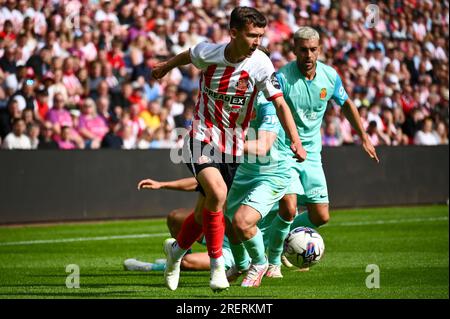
(323, 93)
(242, 84)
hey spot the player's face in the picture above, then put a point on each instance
(307, 52)
(248, 39)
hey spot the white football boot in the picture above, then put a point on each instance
(172, 271)
(218, 280)
(274, 271)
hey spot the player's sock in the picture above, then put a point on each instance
(216, 262)
(189, 233)
(278, 232)
(214, 231)
(302, 219)
(240, 255)
(255, 248)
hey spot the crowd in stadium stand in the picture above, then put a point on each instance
(77, 74)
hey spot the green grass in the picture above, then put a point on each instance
(409, 244)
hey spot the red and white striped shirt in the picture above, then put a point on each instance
(227, 94)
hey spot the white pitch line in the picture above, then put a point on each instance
(69, 240)
(391, 221)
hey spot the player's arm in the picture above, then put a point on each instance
(161, 69)
(352, 115)
(287, 121)
(185, 184)
(262, 145)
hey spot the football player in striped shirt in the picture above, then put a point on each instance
(232, 74)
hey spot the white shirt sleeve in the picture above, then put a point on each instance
(266, 80)
(204, 54)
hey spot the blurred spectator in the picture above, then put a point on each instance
(330, 136)
(426, 135)
(162, 139)
(144, 140)
(64, 141)
(33, 131)
(112, 139)
(345, 129)
(60, 117)
(25, 96)
(150, 115)
(129, 137)
(442, 133)
(91, 127)
(42, 104)
(412, 124)
(46, 141)
(373, 133)
(7, 115)
(17, 138)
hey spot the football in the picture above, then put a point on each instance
(303, 247)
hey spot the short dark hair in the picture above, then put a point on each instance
(241, 16)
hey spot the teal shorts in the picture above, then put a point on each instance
(259, 192)
(313, 180)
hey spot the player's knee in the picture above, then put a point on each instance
(323, 219)
(218, 194)
(240, 225)
(288, 213)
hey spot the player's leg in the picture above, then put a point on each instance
(316, 194)
(244, 223)
(239, 255)
(236, 195)
(215, 190)
(279, 230)
(315, 198)
(195, 261)
(176, 218)
(316, 215)
(174, 250)
(174, 222)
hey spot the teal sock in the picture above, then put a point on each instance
(255, 248)
(240, 255)
(303, 220)
(278, 232)
(158, 267)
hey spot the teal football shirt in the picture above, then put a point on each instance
(308, 100)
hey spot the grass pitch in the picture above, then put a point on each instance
(409, 245)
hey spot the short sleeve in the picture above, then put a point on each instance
(339, 94)
(198, 54)
(267, 81)
(267, 116)
(282, 81)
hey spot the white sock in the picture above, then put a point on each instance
(177, 251)
(216, 262)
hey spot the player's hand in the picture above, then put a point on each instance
(149, 184)
(299, 151)
(159, 70)
(370, 149)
